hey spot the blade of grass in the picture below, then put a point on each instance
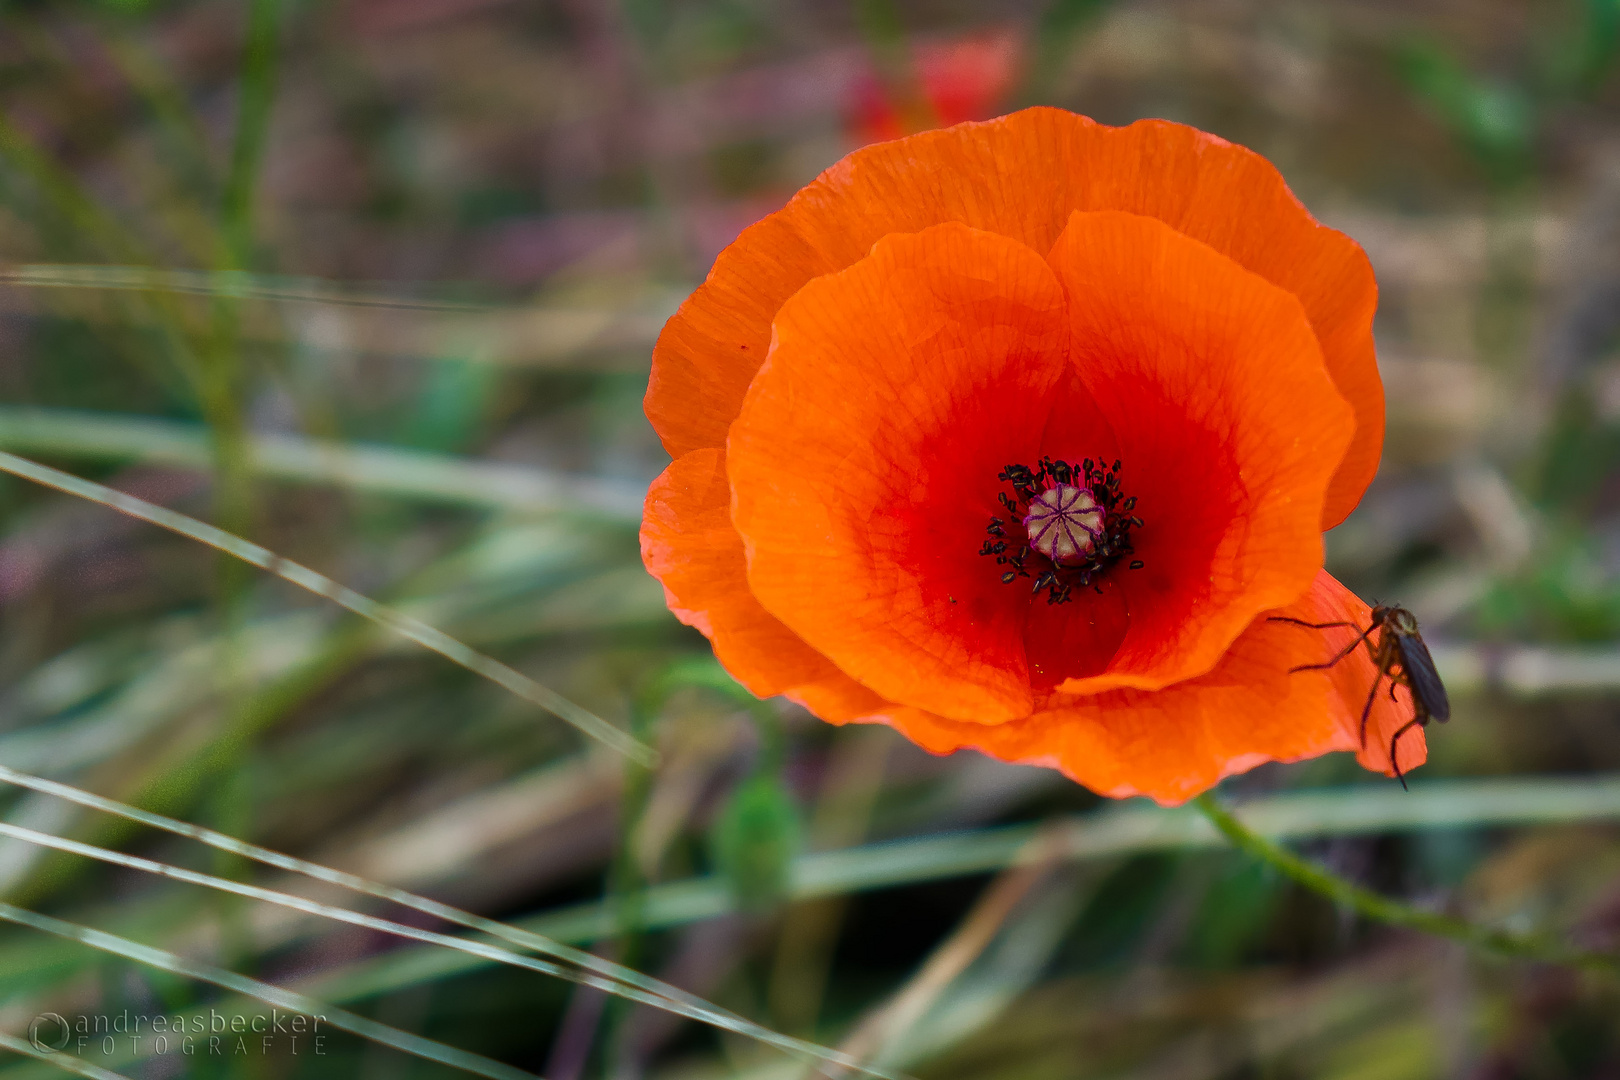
(292, 1001)
(608, 976)
(409, 474)
(185, 141)
(427, 636)
(951, 957)
(705, 1014)
(337, 914)
(256, 92)
(80, 210)
(208, 362)
(62, 189)
(231, 284)
(804, 950)
(1010, 966)
(223, 383)
(330, 317)
(222, 386)
(288, 657)
(65, 1062)
(173, 683)
(1120, 830)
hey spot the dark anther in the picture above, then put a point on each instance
(1137, 564)
(1019, 476)
(1069, 524)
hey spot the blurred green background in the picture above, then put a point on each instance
(374, 283)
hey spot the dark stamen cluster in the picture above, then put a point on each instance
(1009, 538)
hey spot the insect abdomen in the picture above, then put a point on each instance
(1423, 679)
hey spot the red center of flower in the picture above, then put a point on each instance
(1069, 524)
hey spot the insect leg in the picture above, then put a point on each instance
(1366, 710)
(1396, 765)
(1344, 652)
(1302, 622)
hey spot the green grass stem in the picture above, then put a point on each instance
(65, 1062)
(230, 284)
(377, 470)
(598, 973)
(1393, 912)
(275, 996)
(414, 629)
(1130, 829)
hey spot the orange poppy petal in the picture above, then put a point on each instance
(863, 463)
(688, 544)
(1228, 426)
(1173, 743)
(1021, 176)
(1183, 737)
(840, 700)
(1169, 744)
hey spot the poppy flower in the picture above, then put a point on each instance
(1017, 436)
(959, 79)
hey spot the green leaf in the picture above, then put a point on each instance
(1493, 118)
(754, 841)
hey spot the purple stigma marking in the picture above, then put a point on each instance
(1064, 523)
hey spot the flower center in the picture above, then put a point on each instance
(1064, 523)
(1069, 524)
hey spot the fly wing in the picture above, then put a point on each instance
(1424, 680)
